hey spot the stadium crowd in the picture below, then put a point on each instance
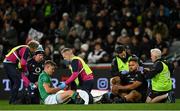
(124, 32)
(92, 28)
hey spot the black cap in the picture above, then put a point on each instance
(39, 52)
(120, 49)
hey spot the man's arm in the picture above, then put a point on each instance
(114, 68)
(75, 71)
(132, 86)
(49, 89)
(157, 68)
(25, 55)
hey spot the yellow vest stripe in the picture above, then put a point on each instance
(85, 67)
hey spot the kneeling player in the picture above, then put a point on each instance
(51, 95)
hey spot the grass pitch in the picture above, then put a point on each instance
(136, 106)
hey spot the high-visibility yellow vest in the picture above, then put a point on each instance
(14, 52)
(121, 65)
(162, 81)
(85, 67)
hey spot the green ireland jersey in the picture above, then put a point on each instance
(43, 78)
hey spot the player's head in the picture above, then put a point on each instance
(39, 54)
(121, 51)
(49, 67)
(67, 53)
(133, 64)
(155, 54)
(33, 45)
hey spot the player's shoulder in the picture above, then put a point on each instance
(75, 61)
(114, 59)
(30, 61)
(43, 74)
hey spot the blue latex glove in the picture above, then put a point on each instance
(62, 85)
(26, 73)
(32, 86)
(124, 72)
(141, 69)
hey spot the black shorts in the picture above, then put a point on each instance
(152, 94)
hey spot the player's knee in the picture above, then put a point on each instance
(69, 92)
(115, 80)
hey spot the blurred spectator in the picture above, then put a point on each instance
(175, 31)
(51, 32)
(87, 34)
(84, 52)
(109, 45)
(78, 25)
(114, 28)
(129, 25)
(100, 30)
(66, 19)
(105, 58)
(96, 55)
(124, 38)
(57, 48)
(161, 28)
(148, 28)
(145, 47)
(62, 30)
(72, 36)
(77, 45)
(134, 46)
(47, 53)
(9, 37)
(163, 12)
(160, 44)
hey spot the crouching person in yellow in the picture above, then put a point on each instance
(48, 93)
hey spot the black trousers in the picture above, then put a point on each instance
(87, 86)
(14, 76)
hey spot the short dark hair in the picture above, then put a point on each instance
(120, 49)
(33, 44)
(135, 59)
(50, 62)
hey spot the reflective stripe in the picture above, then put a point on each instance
(13, 52)
(6, 61)
(14, 49)
(85, 67)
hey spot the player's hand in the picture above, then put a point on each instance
(115, 89)
(124, 72)
(62, 85)
(32, 86)
(141, 69)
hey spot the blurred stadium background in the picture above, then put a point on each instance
(83, 24)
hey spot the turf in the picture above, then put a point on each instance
(136, 106)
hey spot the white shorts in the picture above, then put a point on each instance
(54, 98)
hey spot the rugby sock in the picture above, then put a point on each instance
(74, 95)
